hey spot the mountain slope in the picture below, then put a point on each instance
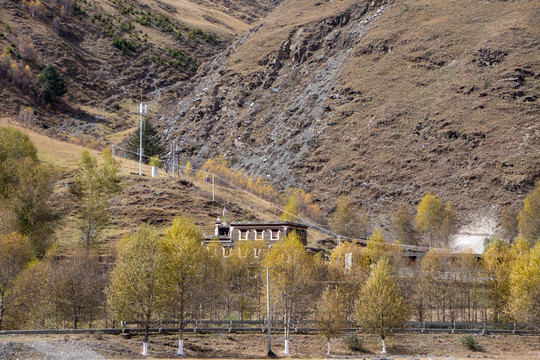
(381, 100)
(109, 52)
(145, 200)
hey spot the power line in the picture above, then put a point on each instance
(312, 224)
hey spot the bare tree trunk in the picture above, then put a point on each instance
(241, 307)
(287, 330)
(1, 310)
(145, 341)
(420, 307)
(181, 341)
(328, 352)
(468, 305)
(181, 326)
(228, 302)
(75, 317)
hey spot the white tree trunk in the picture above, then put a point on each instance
(145, 349)
(181, 347)
(286, 351)
(383, 346)
(328, 352)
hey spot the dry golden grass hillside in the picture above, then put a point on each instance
(144, 200)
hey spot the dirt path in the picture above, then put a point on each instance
(64, 350)
(47, 350)
(253, 347)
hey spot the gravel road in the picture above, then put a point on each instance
(64, 350)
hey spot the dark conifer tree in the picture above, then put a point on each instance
(50, 84)
(152, 143)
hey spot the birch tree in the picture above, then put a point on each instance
(213, 271)
(347, 220)
(330, 315)
(435, 219)
(470, 275)
(138, 286)
(435, 281)
(376, 247)
(183, 242)
(381, 307)
(348, 269)
(498, 260)
(93, 187)
(238, 280)
(529, 217)
(41, 281)
(430, 215)
(290, 212)
(403, 227)
(25, 191)
(188, 171)
(32, 208)
(292, 280)
(80, 286)
(14, 256)
(524, 303)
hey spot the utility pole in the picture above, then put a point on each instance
(269, 321)
(175, 160)
(142, 109)
(213, 195)
(173, 157)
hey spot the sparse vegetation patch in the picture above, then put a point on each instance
(470, 343)
(124, 45)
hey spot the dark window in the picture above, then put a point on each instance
(259, 235)
(243, 235)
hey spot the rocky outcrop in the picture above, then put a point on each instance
(384, 101)
(277, 111)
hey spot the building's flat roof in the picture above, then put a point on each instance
(268, 223)
(219, 237)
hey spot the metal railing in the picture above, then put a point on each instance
(301, 326)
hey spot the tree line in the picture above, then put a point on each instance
(165, 274)
(170, 276)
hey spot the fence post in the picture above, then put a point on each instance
(423, 326)
(514, 331)
(484, 330)
(454, 329)
(123, 325)
(230, 326)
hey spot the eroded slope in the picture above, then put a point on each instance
(382, 100)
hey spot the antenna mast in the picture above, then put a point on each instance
(141, 109)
